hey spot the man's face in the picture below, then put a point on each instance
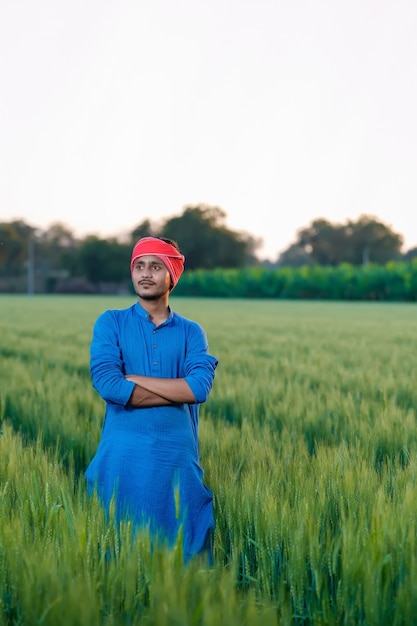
(150, 277)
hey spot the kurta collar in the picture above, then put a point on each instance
(144, 314)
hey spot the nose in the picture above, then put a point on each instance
(146, 271)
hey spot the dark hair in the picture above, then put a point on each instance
(172, 242)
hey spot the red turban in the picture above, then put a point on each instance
(169, 255)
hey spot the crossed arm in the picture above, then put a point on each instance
(108, 373)
(149, 391)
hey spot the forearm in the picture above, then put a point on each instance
(174, 390)
(142, 398)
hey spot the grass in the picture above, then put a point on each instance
(308, 442)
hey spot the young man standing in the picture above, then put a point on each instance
(153, 369)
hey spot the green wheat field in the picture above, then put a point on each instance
(308, 442)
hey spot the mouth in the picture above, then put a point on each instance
(146, 283)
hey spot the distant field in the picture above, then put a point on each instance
(308, 441)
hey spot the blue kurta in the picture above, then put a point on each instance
(148, 458)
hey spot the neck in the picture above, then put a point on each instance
(158, 310)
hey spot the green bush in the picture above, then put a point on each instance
(393, 282)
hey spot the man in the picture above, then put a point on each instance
(153, 369)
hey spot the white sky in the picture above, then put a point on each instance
(277, 111)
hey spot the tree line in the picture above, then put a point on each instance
(55, 261)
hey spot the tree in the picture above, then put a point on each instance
(323, 242)
(58, 247)
(360, 242)
(410, 254)
(206, 241)
(103, 260)
(371, 241)
(294, 256)
(18, 251)
(16, 239)
(144, 229)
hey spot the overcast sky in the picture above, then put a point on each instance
(277, 111)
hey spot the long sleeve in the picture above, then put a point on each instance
(199, 365)
(106, 365)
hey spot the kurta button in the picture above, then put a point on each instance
(155, 362)
(154, 345)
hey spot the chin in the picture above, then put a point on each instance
(149, 296)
